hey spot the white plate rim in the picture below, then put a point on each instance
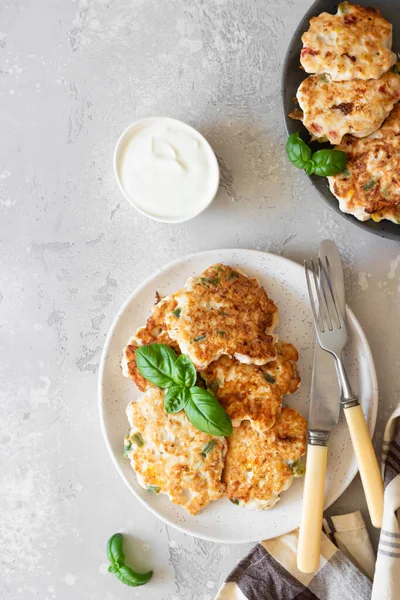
(136, 291)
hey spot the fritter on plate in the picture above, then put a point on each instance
(152, 333)
(254, 393)
(223, 311)
(370, 185)
(353, 44)
(172, 457)
(259, 466)
(332, 109)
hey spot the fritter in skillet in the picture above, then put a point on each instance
(353, 44)
(370, 185)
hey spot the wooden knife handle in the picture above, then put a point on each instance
(367, 463)
(308, 551)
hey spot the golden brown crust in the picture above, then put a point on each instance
(170, 457)
(333, 109)
(223, 312)
(371, 183)
(353, 44)
(256, 468)
(251, 392)
(152, 333)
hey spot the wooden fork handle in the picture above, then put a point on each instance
(308, 550)
(367, 463)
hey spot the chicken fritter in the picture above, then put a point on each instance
(152, 333)
(172, 457)
(333, 109)
(355, 43)
(254, 393)
(259, 466)
(223, 311)
(370, 185)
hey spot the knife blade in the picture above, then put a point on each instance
(324, 409)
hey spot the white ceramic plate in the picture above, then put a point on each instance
(284, 281)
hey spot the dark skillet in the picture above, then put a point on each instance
(292, 76)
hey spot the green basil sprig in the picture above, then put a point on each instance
(159, 364)
(116, 556)
(322, 162)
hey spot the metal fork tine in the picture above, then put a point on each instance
(336, 303)
(323, 309)
(308, 268)
(328, 319)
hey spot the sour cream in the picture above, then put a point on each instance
(166, 169)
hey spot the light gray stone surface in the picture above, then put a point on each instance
(74, 74)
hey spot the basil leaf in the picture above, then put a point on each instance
(184, 373)
(129, 577)
(298, 152)
(115, 553)
(176, 398)
(156, 364)
(309, 168)
(112, 569)
(206, 414)
(329, 162)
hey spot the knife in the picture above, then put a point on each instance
(324, 414)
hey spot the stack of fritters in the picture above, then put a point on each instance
(224, 322)
(354, 87)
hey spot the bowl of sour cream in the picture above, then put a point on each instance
(166, 169)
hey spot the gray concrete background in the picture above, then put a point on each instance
(74, 74)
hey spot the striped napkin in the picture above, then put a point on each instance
(347, 561)
(387, 573)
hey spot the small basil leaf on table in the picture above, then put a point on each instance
(115, 553)
(206, 414)
(176, 398)
(329, 162)
(113, 568)
(129, 577)
(156, 364)
(298, 152)
(184, 373)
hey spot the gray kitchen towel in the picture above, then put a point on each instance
(270, 571)
(387, 573)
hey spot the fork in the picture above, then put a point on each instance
(332, 336)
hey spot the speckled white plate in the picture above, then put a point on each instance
(284, 281)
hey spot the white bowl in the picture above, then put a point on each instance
(214, 170)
